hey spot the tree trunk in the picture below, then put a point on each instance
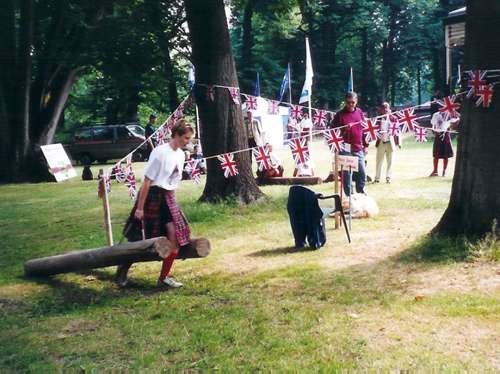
(387, 54)
(154, 249)
(419, 84)
(246, 48)
(475, 198)
(221, 120)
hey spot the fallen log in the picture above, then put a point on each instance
(290, 180)
(154, 249)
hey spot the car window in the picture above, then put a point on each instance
(103, 133)
(123, 133)
(84, 134)
(136, 130)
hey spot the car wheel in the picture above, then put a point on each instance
(138, 156)
(86, 159)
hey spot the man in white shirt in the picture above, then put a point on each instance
(156, 212)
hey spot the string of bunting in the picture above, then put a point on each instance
(480, 90)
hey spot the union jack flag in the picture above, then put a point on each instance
(449, 107)
(300, 150)
(235, 94)
(272, 107)
(485, 94)
(408, 118)
(371, 130)
(475, 82)
(296, 111)
(161, 134)
(420, 134)
(251, 102)
(394, 128)
(130, 183)
(210, 93)
(334, 140)
(228, 164)
(262, 157)
(192, 167)
(319, 117)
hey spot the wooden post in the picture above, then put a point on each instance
(103, 194)
(336, 184)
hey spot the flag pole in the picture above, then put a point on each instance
(289, 85)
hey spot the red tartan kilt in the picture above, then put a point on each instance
(156, 217)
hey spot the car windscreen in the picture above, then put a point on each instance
(136, 130)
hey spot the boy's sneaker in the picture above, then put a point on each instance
(169, 282)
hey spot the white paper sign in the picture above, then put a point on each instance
(59, 163)
(348, 162)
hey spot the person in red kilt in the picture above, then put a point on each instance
(156, 212)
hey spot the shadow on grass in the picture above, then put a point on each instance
(436, 249)
(279, 251)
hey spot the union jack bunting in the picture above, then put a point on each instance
(130, 183)
(371, 130)
(394, 128)
(235, 94)
(485, 94)
(296, 111)
(192, 167)
(228, 164)
(250, 102)
(408, 119)
(476, 80)
(300, 150)
(449, 107)
(334, 140)
(319, 117)
(161, 134)
(420, 134)
(178, 113)
(262, 157)
(210, 93)
(272, 107)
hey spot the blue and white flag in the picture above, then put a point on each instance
(350, 82)
(285, 83)
(256, 89)
(191, 78)
(305, 96)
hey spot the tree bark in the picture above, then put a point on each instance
(475, 198)
(154, 249)
(246, 48)
(221, 120)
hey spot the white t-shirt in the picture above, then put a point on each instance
(164, 167)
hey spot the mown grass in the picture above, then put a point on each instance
(255, 303)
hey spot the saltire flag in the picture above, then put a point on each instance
(408, 118)
(305, 96)
(191, 78)
(420, 134)
(256, 90)
(272, 107)
(130, 183)
(228, 164)
(319, 117)
(285, 83)
(262, 157)
(250, 102)
(296, 111)
(476, 80)
(485, 94)
(194, 171)
(235, 94)
(334, 140)
(350, 81)
(371, 130)
(300, 150)
(449, 107)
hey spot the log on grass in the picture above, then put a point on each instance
(291, 180)
(154, 249)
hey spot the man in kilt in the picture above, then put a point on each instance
(156, 210)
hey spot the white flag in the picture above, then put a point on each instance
(306, 90)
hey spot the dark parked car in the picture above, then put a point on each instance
(106, 142)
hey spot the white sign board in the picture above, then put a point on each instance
(348, 162)
(59, 163)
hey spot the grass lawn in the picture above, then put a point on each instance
(255, 303)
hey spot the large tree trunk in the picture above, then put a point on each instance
(475, 198)
(221, 120)
(246, 49)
